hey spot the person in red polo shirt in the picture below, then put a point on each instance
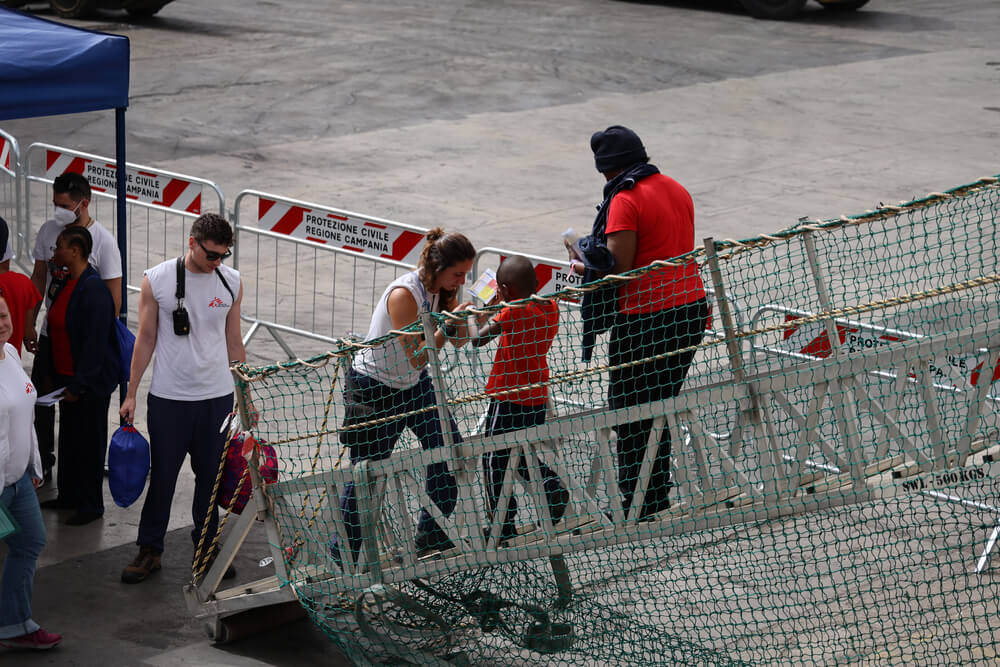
(20, 293)
(646, 216)
(22, 297)
(526, 333)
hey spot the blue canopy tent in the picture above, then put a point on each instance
(48, 68)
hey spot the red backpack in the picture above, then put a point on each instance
(238, 452)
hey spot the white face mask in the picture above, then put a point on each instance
(64, 216)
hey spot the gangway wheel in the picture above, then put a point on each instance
(403, 625)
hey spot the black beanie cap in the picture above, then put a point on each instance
(616, 148)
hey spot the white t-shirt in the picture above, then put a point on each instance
(389, 363)
(18, 445)
(104, 257)
(196, 366)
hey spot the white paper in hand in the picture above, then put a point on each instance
(570, 237)
(51, 398)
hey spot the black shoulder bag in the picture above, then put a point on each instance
(182, 321)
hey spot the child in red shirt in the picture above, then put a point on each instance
(526, 333)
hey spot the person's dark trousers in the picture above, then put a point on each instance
(642, 336)
(504, 417)
(83, 444)
(43, 376)
(178, 429)
(375, 443)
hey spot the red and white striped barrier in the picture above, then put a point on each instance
(6, 156)
(955, 370)
(142, 184)
(553, 275)
(340, 229)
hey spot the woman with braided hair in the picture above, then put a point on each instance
(85, 359)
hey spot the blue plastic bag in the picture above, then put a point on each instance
(126, 343)
(128, 465)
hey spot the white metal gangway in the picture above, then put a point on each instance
(760, 474)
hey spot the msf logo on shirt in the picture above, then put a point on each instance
(217, 303)
(28, 388)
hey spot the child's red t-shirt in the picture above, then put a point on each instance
(527, 332)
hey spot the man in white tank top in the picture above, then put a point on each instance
(192, 389)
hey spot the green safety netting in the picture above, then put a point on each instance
(818, 488)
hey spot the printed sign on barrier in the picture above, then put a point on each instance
(360, 235)
(555, 277)
(812, 339)
(6, 163)
(140, 185)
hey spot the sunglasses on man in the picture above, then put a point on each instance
(211, 255)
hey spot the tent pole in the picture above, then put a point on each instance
(120, 211)
(120, 177)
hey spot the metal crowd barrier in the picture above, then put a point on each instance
(161, 204)
(11, 189)
(309, 270)
(555, 275)
(315, 271)
(858, 337)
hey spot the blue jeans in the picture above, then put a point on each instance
(24, 547)
(374, 400)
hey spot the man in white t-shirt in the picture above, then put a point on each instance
(192, 342)
(71, 199)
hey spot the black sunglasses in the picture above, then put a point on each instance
(212, 256)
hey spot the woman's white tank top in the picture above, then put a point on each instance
(389, 363)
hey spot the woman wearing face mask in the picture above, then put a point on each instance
(391, 379)
(20, 474)
(85, 358)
